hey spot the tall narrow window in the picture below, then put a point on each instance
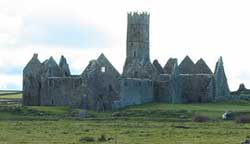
(134, 54)
(110, 88)
(136, 74)
(103, 69)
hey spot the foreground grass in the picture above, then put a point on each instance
(122, 132)
(155, 123)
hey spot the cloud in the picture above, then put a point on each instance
(10, 82)
(67, 32)
(11, 70)
(83, 29)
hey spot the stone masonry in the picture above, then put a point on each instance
(101, 87)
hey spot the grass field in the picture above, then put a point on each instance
(155, 123)
(11, 96)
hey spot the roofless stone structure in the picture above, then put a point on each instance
(101, 87)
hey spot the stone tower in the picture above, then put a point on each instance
(138, 63)
(138, 37)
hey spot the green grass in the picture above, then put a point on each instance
(11, 96)
(51, 109)
(122, 132)
(154, 123)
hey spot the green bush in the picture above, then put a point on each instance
(102, 138)
(87, 139)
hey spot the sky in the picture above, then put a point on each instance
(83, 29)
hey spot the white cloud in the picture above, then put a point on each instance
(10, 82)
(206, 29)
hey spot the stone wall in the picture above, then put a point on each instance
(101, 77)
(162, 88)
(135, 91)
(32, 82)
(222, 88)
(61, 91)
(197, 87)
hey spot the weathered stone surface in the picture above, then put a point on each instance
(158, 67)
(100, 87)
(51, 69)
(176, 84)
(102, 77)
(241, 90)
(201, 67)
(135, 91)
(32, 82)
(186, 66)
(137, 64)
(163, 89)
(168, 68)
(222, 89)
(167, 86)
(137, 70)
(242, 87)
(138, 37)
(60, 91)
(197, 88)
(64, 66)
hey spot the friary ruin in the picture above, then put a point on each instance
(101, 87)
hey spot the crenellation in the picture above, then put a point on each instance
(138, 18)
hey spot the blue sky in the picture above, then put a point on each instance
(82, 29)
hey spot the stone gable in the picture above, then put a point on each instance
(186, 66)
(202, 68)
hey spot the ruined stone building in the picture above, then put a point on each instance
(101, 87)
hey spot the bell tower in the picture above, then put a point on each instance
(138, 37)
(137, 64)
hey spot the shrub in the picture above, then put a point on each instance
(243, 119)
(102, 138)
(201, 119)
(87, 139)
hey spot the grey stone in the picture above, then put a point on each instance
(186, 66)
(197, 87)
(32, 82)
(201, 67)
(242, 87)
(222, 89)
(100, 87)
(135, 91)
(168, 68)
(51, 69)
(64, 66)
(158, 67)
(137, 64)
(101, 76)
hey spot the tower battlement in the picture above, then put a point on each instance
(138, 36)
(138, 18)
